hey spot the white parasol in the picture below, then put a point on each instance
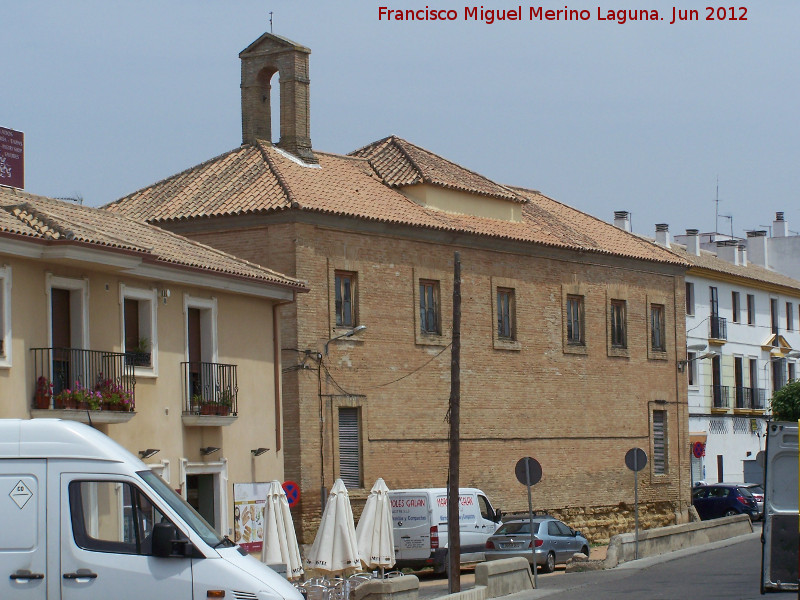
(375, 532)
(280, 542)
(335, 548)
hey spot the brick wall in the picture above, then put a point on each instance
(577, 414)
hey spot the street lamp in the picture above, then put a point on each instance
(710, 354)
(348, 333)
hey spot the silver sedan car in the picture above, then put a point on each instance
(554, 542)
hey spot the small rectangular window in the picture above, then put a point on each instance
(751, 309)
(689, 298)
(789, 317)
(506, 327)
(575, 334)
(773, 315)
(344, 290)
(792, 372)
(429, 306)
(657, 328)
(350, 447)
(619, 338)
(659, 442)
(735, 308)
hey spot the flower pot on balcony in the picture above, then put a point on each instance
(215, 409)
(42, 401)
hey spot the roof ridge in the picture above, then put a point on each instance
(393, 140)
(455, 164)
(364, 147)
(278, 175)
(175, 175)
(50, 230)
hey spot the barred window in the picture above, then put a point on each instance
(344, 290)
(575, 320)
(659, 442)
(429, 316)
(657, 328)
(506, 327)
(619, 336)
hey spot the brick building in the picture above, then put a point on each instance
(571, 328)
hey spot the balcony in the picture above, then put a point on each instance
(721, 396)
(92, 386)
(209, 394)
(759, 399)
(719, 328)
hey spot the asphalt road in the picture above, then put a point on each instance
(729, 570)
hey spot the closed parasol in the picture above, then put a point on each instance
(280, 542)
(374, 531)
(335, 548)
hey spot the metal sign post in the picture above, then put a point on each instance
(635, 460)
(529, 472)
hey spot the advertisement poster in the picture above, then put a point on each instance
(248, 514)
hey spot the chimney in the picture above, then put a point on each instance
(757, 247)
(261, 60)
(780, 228)
(743, 255)
(728, 250)
(693, 241)
(622, 219)
(662, 234)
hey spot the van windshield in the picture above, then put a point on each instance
(189, 515)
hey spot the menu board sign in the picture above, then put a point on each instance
(12, 158)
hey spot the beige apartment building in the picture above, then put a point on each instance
(164, 344)
(571, 328)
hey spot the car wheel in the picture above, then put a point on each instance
(585, 550)
(550, 563)
(730, 512)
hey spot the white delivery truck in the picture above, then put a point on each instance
(419, 517)
(84, 519)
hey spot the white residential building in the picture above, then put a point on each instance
(743, 343)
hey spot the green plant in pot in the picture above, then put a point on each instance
(140, 356)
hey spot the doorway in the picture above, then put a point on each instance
(200, 494)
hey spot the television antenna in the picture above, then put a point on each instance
(270, 21)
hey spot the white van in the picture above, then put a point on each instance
(84, 519)
(420, 526)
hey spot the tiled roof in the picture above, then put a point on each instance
(400, 163)
(259, 178)
(710, 261)
(58, 222)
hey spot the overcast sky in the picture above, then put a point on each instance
(641, 116)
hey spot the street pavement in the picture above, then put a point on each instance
(729, 569)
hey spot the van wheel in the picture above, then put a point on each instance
(443, 567)
(550, 564)
(585, 551)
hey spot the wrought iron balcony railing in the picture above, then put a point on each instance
(82, 379)
(759, 399)
(209, 389)
(721, 394)
(744, 397)
(719, 328)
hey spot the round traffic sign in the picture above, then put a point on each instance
(635, 459)
(528, 471)
(292, 492)
(698, 449)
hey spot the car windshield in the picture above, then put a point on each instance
(516, 528)
(189, 515)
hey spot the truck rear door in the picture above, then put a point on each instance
(780, 535)
(23, 534)
(412, 523)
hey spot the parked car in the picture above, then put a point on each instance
(554, 542)
(758, 493)
(723, 500)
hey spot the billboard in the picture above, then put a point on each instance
(12, 158)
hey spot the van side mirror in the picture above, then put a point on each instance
(167, 541)
(498, 516)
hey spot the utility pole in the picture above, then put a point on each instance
(453, 524)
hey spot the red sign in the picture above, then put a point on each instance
(699, 449)
(12, 158)
(292, 492)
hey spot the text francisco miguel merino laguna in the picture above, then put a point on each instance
(538, 13)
